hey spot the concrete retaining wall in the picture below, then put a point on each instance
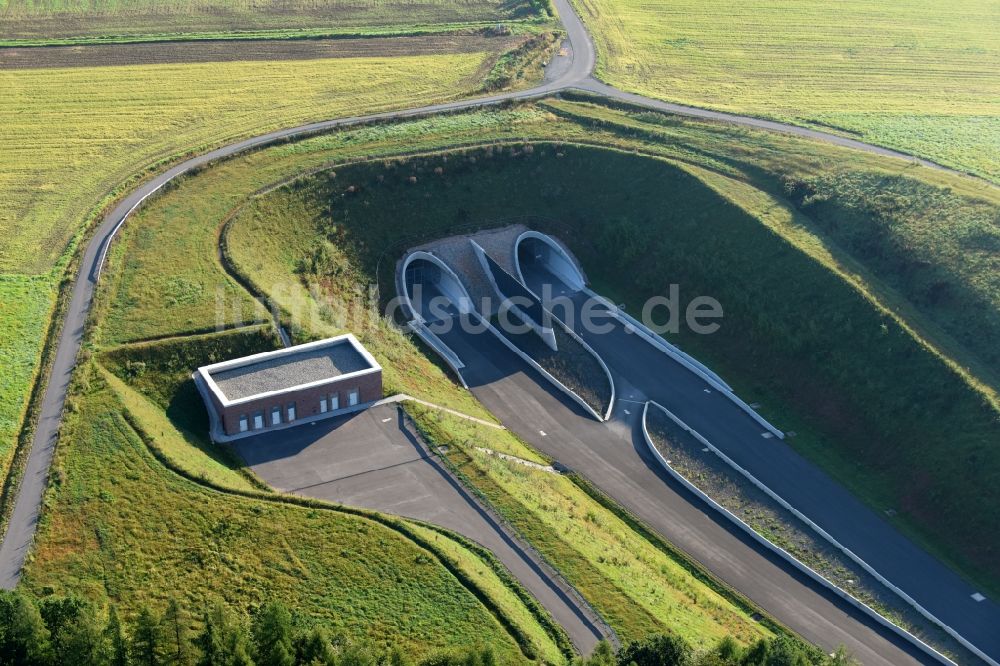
(534, 364)
(443, 350)
(868, 610)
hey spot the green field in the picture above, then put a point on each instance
(25, 304)
(909, 74)
(58, 19)
(73, 135)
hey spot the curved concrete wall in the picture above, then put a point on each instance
(558, 260)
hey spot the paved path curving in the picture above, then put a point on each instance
(564, 73)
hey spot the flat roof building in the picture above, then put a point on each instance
(282, 388)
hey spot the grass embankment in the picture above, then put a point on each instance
(178, 230)
(121, 527)
(841, 376)
(153, 382)
(904, 74)
(52, 21)
(304, 266)
(638, 588)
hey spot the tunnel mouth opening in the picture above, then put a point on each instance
(432, 290)
(538, 257)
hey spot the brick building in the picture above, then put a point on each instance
(288, 386)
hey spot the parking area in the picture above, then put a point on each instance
(372, 459)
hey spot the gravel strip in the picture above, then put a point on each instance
(284, 372)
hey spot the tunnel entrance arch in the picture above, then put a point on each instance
(430, 289)
(535, 249)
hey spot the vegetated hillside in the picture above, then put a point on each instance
(317, 271)
(273, 244)
(172, 243)
(910, 74)
(941, 251)
(877, 408)
(112, 19)
(120, 527)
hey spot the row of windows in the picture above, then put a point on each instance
(327, 403)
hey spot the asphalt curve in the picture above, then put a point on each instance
(576, 73)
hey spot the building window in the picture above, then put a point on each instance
(258, 420)
(291, 411)
(276, 416)
(322, 405)
(244, 423)
(352, 397)
(334, 402)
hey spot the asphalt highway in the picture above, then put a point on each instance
(573, 71)
(613, 456)
(656, 376)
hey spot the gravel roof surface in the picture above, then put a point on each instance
(284, 372)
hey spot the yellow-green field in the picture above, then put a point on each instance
(114, 19)
(914, 75)
(69, 136)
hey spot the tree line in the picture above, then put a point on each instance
(68, 631)
(669, 650)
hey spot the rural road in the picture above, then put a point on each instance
(613, 456)
(374, 459)
(566, 73)
(652, 375)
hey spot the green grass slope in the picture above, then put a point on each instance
(753, 179)
(841, 375)
(120, 526)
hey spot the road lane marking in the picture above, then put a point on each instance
(767, 435)
(542, 433)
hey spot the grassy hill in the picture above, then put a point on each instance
(143, 534)
(750, 177)
(910, 74)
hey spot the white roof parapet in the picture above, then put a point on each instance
(207, 371)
